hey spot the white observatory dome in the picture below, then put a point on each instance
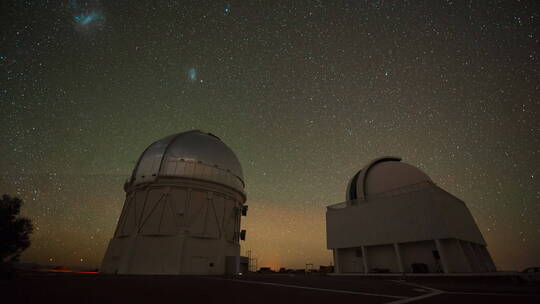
(193, 154)
(382, 175)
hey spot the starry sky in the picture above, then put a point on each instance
(304, 92)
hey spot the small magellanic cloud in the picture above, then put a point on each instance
(192, 74)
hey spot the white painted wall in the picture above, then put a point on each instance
(382, 257)
(427, 214)
(457, 260)
(413, 220)
(419, 252)
(175, 228)
(350, 262)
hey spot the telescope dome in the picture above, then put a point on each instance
(192, 154)
(382, 175)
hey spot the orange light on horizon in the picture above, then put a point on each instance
(65, 271)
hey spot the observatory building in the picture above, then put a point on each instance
(395, 219)
(182, 211)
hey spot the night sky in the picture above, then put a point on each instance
(304, 92)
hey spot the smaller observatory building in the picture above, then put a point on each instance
(395, 219)
(182, 212)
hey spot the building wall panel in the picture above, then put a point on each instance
(419, 252)
(382, 257)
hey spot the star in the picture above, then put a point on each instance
(304, 94)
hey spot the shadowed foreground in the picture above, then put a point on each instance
(89, 288)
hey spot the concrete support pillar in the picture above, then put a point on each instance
(336, 261)
(489, 260)
(475, 262)
(398, 257)
(481, 258)
(442, 255)
(365, 259)
(465, 256)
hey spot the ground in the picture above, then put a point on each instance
(261, 288)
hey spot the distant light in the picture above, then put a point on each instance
(227, 10)
(239, 273)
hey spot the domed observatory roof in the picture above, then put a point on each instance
(382, 175)
(193, 154)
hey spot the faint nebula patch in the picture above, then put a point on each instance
(192, 74)
(87, 15)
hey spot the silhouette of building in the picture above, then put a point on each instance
(395, 219)
(182, 211)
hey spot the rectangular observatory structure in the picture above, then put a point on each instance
(397, 220)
